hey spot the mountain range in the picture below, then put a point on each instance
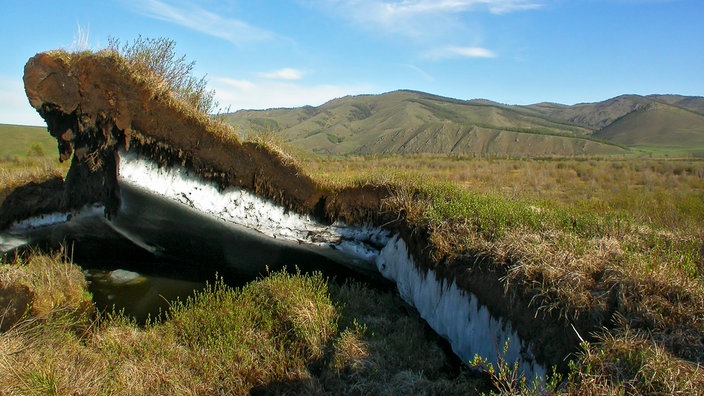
(412, 122)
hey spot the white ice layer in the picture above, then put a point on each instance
(15, 236)
(55, 218)
(241, 207)
(455, 314)
(10, 242)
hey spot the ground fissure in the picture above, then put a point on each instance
(93, 107)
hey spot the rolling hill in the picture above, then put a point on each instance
(658, 126)
(19, 140)
(409, 122)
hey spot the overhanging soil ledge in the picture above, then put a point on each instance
(95, 107)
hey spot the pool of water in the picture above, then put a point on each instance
(138, 295)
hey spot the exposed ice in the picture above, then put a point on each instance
(455, 314)
(55, 218)
(41, 221)
(124, 277)
(9, 242)
(241, 207)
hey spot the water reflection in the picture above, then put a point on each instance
(141, 296)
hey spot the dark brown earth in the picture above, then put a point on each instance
(15, 300)
(93, 106)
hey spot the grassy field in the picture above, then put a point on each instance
(617, 244)
(20, 141)
(667, 194)
(286, 333)
(639, 220)
(27, 154)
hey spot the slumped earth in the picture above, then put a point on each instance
(151, 177)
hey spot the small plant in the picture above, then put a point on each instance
(508, 379)
(156, 61)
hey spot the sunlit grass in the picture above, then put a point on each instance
(285, 333)
(587, 238)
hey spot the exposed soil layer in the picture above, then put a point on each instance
(15, 300)
(93, 106)
(32, 199)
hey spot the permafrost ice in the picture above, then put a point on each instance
(453, 313)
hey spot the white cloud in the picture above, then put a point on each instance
(283, 74)
(426, 76)
(241, 85)
(451, 52)
(244, 94)
(14, 105)
(416, 7)
(196, 18)
(418, 18)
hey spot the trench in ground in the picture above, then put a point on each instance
(172, 222)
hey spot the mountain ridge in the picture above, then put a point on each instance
(413, 122)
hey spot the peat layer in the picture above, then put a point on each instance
(94, 106)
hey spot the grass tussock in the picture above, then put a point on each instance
(54, 285)
(154, 65)
(591, 240)
(155, 60)
(629, 363)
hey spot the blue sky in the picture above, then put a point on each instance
(262, 54)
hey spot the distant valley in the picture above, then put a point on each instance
(411, 122)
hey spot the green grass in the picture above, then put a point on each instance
(20, 141)
(284, 333)
(613, 242)
(696, 151)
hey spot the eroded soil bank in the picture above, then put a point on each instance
(104, 119)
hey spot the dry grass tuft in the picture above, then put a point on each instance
(627, 362)
(56, 285)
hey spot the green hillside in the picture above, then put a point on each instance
(404, 122)
(660, 127)
(592, 115)
(410, 122)
(693, 103)
(19, 141)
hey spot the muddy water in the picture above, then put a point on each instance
(139, 295)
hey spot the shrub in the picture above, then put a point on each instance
(156, 61)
